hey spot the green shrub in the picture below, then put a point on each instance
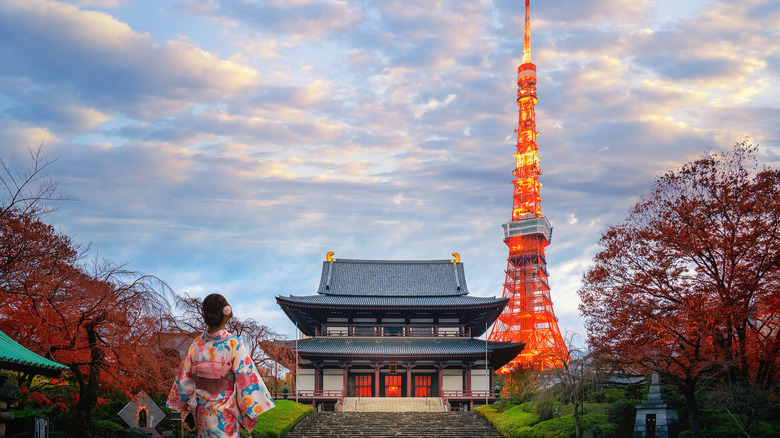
(562, 427)
(609, 430)
(546, 407)
(622, 414)
(279, 420)
(607, 395)
(491, 413)
(512, 422)
(105, 428)
(723, 426)
(597, 408)
(600, 426)
(762, 429)
(518, 386)
(613, 395)
(520, 432)
(620, 410)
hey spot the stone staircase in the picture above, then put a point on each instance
(395, 425)
(393, 404)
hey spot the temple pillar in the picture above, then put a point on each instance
(376, 379)
(409, 379)
(317, 377)
(440, 374)
(345, 369)
(467, 377)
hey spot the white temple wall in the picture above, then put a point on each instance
(452, 380)
(479, 380)
(305, 379)
(332, 380)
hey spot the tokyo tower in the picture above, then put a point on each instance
(528, 316)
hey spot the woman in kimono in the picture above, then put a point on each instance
(217, 385)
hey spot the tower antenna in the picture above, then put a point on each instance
(527, 34)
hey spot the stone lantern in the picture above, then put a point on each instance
(654, 418)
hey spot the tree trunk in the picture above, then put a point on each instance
(688, 389)
(742, 345)
(577, 431)
(88, 390)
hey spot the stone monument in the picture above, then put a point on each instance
(142, 413)
(654, 418)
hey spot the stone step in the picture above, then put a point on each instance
(395, 425)
(393, 404)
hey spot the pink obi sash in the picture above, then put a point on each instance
(213, 377)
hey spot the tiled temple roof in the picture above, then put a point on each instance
(419, 348)
(13, 356)
(392, 302)
(381, 287)
(392, 278)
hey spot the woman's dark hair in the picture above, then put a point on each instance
(212, 309)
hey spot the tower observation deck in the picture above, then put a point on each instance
(528, 316)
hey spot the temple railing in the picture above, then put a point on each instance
(379, 332)
(465, 399)
(319, 394)
(340, 394)
(468, 394)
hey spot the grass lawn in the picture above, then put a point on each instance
(279, 420)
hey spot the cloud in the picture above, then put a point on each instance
(432, 104)
(230, 145)
(575, 13)
(300, 19)
(109, 66)
(19, 136)
(100, 3)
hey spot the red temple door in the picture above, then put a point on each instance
(363, 386)
(392, 386)
(422, 386)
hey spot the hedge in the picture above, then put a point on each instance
(279, 420)
(512, 423)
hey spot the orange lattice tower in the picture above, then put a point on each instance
(529, 315)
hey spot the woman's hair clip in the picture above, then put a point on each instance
(227, 310)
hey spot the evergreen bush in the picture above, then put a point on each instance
(512, 422)
(562, 427)
(600, 426)
(105, 428)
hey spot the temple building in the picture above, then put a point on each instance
(395, 328)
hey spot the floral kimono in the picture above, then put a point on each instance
(218, 383)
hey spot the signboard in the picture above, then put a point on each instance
(142, 412)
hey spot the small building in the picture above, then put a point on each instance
(14, 357)
(395, 328)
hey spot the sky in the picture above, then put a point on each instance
(228, 146)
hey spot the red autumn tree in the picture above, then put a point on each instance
(93, 318)
(96, 322)
(688, 284)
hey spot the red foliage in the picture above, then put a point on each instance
(39, 399)
(689, 284)
(97, 319)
